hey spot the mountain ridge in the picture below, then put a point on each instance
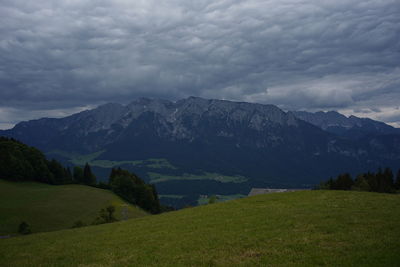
(351, 126)
(196, 136)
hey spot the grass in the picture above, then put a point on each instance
(83, 159)
(158, 177)
(220, 198)
(171, 196)
(110, 163)
(304, 228)
(80, 160)
(48, 208)
(158, 164)
(75, 158)
(149, 163)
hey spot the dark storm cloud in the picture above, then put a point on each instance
(298, 54)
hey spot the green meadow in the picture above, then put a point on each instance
(80, 160)
(305, 228)
(219, 198)
(159, 177)
(53, 207)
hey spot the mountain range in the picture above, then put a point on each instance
(350, 127)
(195, 146)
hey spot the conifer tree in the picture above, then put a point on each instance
(361, 183)
(69, 175)
(397, 182)
(24, 228)
(386, 181)
(88, 176)
(343, 182)
(78, 175)
(373, 181)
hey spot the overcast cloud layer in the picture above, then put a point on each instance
(59, 57)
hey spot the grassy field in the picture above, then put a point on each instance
(159, 177)
(81, 160)
(47, 208)
(220, 198)
(304, 228)
(171, 196)
(149, 163)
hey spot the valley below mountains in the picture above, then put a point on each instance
(197, 147)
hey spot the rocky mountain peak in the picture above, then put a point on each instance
(352, 126)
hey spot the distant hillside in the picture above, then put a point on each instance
(197, 146)
(48, 207)
(352, 126)
(307, 228)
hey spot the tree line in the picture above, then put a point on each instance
(382, 181)
(19, 162)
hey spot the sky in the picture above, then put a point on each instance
(59, 57)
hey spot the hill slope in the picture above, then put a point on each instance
(304, 228)
(48, 207)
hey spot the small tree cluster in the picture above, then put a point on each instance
(84, 176)
(397, 182)
(60, 174)
(213, 199)
(134, 190)
(24, 228)
(381, 181)
(106, 216)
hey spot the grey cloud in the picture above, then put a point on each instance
(305, 54)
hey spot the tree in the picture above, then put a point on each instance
(386, 184)
(114, 173)
(106, 215)
(361, 183)
(381, 182)
(70, 178)
(88, 176)
(373, 181)
(156, 204)
(78, 175)
(145, 198)
(397, 182)
(124, 187)
(120, 172)
(24, 228)
(60, 174)
(19, 162)
(343, 182)
(110, 213)
(212, 199)
(134, 190)
(326, 185)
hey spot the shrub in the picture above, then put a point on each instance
(105, 216)
(24, 228)
(78, 224)
(212, 199)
